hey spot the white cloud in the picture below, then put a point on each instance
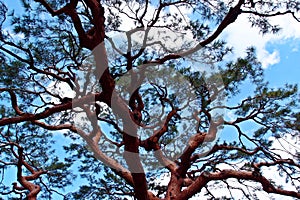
(241, 35)
(286, 146)
(60, 88)
(127, 22)
(269, 59)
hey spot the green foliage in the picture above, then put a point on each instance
(247, 68)
(42, 52)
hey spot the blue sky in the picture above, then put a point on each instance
(279, 53)
(288, 69)
(286, 43)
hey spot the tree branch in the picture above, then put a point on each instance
(205, 177)
(271, 14)
(49, 111)
(229, 18)
(24, 180)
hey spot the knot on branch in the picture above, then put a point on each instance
(150, 144)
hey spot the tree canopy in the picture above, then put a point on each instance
(129, 100)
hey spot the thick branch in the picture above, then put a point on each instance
(229, 18)
(194, 142)
(14, 103)
(49, 111)
(24, 180)
(151, 143)
(63, 10)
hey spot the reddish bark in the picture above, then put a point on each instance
(132, 114)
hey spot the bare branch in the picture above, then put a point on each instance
(271, 14)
